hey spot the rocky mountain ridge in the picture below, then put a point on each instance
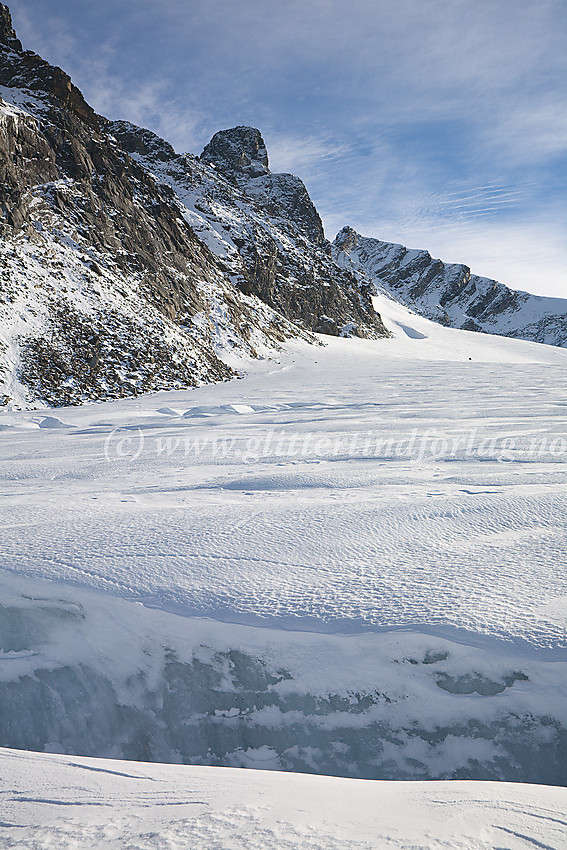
(125, 267)
(450, 294)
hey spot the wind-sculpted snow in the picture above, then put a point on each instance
(69, 802)
(346, 562)
(337, 492)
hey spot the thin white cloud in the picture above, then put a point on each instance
(147, 105)
(305, 155)
(530, 132)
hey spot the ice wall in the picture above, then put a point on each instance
(84, 674)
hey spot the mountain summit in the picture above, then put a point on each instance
(240, 151)
(449, 293)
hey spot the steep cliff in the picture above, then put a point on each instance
(262, 226)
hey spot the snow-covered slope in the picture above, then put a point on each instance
(448, 293)
(57, 801)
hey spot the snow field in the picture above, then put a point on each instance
(63, 802)
(336, 490)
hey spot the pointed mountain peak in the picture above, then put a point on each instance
(7, 33)
(240, 151)
(346, 239)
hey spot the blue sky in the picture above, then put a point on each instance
(441, 124)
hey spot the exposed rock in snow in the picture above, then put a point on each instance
(237, 152)
(240, 155)
(264, 230)
(7, 32)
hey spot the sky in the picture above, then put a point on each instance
(439, 124)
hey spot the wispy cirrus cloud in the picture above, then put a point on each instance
(308, 155)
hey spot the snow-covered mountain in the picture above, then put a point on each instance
(262, 227)
(346, 563)
(127, 268)
(450, 294)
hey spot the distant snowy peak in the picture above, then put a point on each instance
(450, 294)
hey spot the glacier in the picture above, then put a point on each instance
(341, 566)
(348, 562)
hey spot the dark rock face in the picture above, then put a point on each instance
(237, 152)
(285, 195)
(66, 184)
(85, 235)
(25, 69)
(450, 294)
(136, 140)
(27, 160)
(323, 300)
(7, 33)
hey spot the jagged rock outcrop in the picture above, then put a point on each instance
(450, 294)
(240, 156)
(110, 283)
(264, 228)
(8, 35)
(28, 71)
